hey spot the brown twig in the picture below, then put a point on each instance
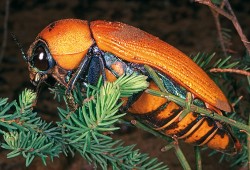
(230, 70)
(218, 26)
(5, 29)
(229, 15)
(214, 7)
(238, 27)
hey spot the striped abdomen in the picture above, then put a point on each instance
(195, 129)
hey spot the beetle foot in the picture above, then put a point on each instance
(70, 102)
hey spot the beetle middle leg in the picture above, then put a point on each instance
(95, 66)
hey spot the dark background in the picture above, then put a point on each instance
(188, 26)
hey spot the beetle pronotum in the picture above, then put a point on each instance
(73, 49)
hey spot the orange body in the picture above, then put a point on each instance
(69, 40)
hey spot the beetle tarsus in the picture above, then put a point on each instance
(70, 101)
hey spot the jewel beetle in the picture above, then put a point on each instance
(71, 50)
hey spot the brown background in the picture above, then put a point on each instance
(188, 26)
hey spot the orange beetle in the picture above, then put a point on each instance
(71, 50)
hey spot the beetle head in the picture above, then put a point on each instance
(59, 48)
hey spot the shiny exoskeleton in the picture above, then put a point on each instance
(72, 50)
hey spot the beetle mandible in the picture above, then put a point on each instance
(86, 50)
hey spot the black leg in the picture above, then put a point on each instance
(96, 68)
(102, 68)
(83, 66)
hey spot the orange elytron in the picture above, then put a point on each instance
(72, 50)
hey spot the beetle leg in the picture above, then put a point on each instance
(96, 68)
(102, 68)
(82, 67)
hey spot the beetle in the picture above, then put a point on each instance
(72, 50)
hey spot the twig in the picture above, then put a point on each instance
(181, 157)
(203, 111)
(218, 27)
(198, 158)
(5, 29)
(230, 70)
(238, 27)
(231, 16)
(178, 153)
(214, 7)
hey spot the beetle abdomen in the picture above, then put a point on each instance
(193, 128)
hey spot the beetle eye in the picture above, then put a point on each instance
(40, 59)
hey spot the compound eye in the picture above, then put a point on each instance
(40, 59)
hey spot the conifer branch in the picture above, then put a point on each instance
(83, 131)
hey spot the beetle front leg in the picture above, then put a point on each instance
(69, 97)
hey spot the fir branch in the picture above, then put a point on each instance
(82, 131)
(221, 65)
(205, 62)
(25, 133)
(30, 145)
(85, 129)
(129, 87)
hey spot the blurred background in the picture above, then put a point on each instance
(188, 26)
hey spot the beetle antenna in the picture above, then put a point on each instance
(19, 46)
